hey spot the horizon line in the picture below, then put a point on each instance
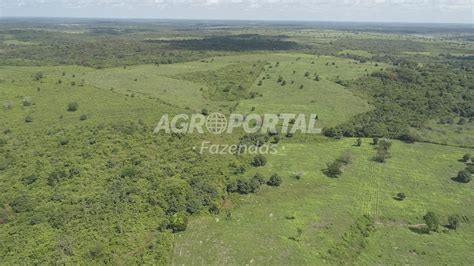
(239, 20)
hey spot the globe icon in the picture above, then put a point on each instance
(216, 123)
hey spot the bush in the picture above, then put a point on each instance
(56, 176)
(22, 204)
(275, 181)
(247, 186)
(259, 178)
(382, 151)
(381, 156)
(334, 169)
(254, 185)
(470, 168)
(63, 141)
(27, 101)
(375, 141)
(359, 142)
(259, 160)
(385, 144)
(28, 119)
(83, 117)
(72, 107)
(178, 222)
(466, 158)
(28, 180)
(454, 222)
(232, 187)
(432, 221)
(408, 138)
(38, 76)
(464, 176)
(401, 196)
(3, 142)
(299, 175)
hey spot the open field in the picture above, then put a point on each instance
(324, 209)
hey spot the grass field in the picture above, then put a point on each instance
(325, 208)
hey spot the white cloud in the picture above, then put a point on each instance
(258, 9)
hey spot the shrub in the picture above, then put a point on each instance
(382, 151)
(22, 203)
(408, 138)
(259, 178)
(28, 180)
(401, 196)
(275, 181)
(232, 187)
(72, 107)
(375, 141)
(259, 160)
(299, 175)
(56, 176)
(432, 221)
(385, 144)
(454, 222)
(63, 141)
(27, 101)
(334, 169)
(381, 155)
(466, 158)
(83, 117)
(28, 119)
(3, 142)
(470, 168)
(178, 222)
(205, 112)
(38, 76)
(464, 176)
(254, 185)
(359, 142)
(244, 186)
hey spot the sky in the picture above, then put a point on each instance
(435, 11)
